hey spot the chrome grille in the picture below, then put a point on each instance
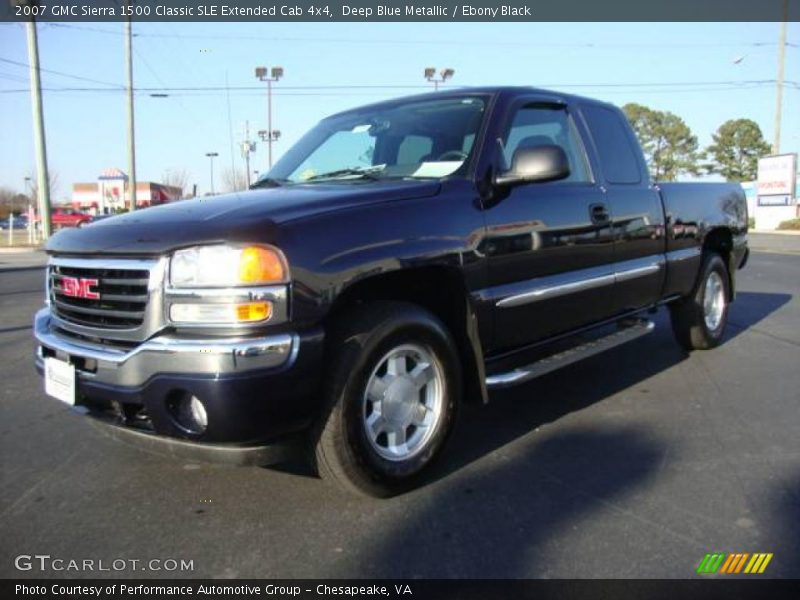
(122, 301)
(128, 302)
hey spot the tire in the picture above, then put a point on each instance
(378, 391)
(698, 320)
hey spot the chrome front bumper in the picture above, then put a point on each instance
(163, 354)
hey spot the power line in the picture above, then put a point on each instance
(451, 42)
(299, 88)
(59, 73)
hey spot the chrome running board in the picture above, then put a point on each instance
(628, 331)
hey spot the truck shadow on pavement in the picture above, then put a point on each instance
(499, 521)
(502, 518)
(515, 412)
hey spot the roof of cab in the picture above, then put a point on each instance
(488, 90)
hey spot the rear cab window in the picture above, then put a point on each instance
(617, 154)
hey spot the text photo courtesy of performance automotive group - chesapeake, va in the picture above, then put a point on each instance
(399, 299)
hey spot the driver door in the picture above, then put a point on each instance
(549, 245)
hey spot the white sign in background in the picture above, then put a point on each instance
(777, 175)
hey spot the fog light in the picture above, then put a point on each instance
(188, 412)
(248, 312)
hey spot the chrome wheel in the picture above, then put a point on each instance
(713, 301)
(403, 402)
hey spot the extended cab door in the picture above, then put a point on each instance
(638, 214)
(548, 245)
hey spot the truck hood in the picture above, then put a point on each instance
(253, 216)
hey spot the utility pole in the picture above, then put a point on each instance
(131, 131)
(776, 146)
(275, 73)
(211, 155)
(247, 147)
(430, 75)
(42, 176)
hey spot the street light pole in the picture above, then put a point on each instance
(275, 73)
(776, 146)
(211, 156)
(131, 132)
(42, 176)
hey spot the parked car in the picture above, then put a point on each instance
(401, 259)
(19, 222)
(69, 217)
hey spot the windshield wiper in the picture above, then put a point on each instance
(269, 182)
(368, 173)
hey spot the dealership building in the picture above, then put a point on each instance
(110, 193)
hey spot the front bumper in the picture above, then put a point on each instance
(254, 389)
(135, 366)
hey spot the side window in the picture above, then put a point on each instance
(538, 125)
(413, 149)
(614, 145)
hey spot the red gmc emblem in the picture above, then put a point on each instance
(76, 287)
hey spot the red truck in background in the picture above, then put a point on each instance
(69, 217)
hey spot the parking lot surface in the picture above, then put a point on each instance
(635, 463)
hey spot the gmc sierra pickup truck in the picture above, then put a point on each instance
(400, 259)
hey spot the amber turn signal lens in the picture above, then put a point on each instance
(261, 265)
(254, 311)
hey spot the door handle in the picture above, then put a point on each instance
(599, 214)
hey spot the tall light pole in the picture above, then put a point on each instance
(776, 146)
(42, 177)
(269, 136)
(131, 134)
(430, 75)
(270, 76)
(211, 156)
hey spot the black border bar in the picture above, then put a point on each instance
(740, 588)
(400, 10)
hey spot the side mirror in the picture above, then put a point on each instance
(547, 162)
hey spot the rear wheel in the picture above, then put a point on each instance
(699, 320)
(392, 394)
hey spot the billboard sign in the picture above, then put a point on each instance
(777, 175)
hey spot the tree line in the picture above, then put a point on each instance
(672, 150)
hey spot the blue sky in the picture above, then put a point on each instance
(86, 130)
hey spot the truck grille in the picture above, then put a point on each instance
(106, 298)
(122, 297)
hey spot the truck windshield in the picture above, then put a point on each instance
(418, 139)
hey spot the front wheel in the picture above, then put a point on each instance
(698, 321)
(392, 394)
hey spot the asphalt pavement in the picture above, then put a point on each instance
(635, 463)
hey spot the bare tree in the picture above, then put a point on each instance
(11, 201)
(178, 178)
(234, 180)
(53, 178)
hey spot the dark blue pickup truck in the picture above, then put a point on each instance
(400, 259)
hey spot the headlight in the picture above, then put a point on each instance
(227, 285)
(227, 266)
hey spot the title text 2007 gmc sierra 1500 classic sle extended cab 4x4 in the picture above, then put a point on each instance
(400, 259)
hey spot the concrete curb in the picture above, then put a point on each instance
(774, 232)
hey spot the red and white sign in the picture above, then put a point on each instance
(777, 175)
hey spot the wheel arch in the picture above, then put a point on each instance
(720, 241)
(439, 289)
